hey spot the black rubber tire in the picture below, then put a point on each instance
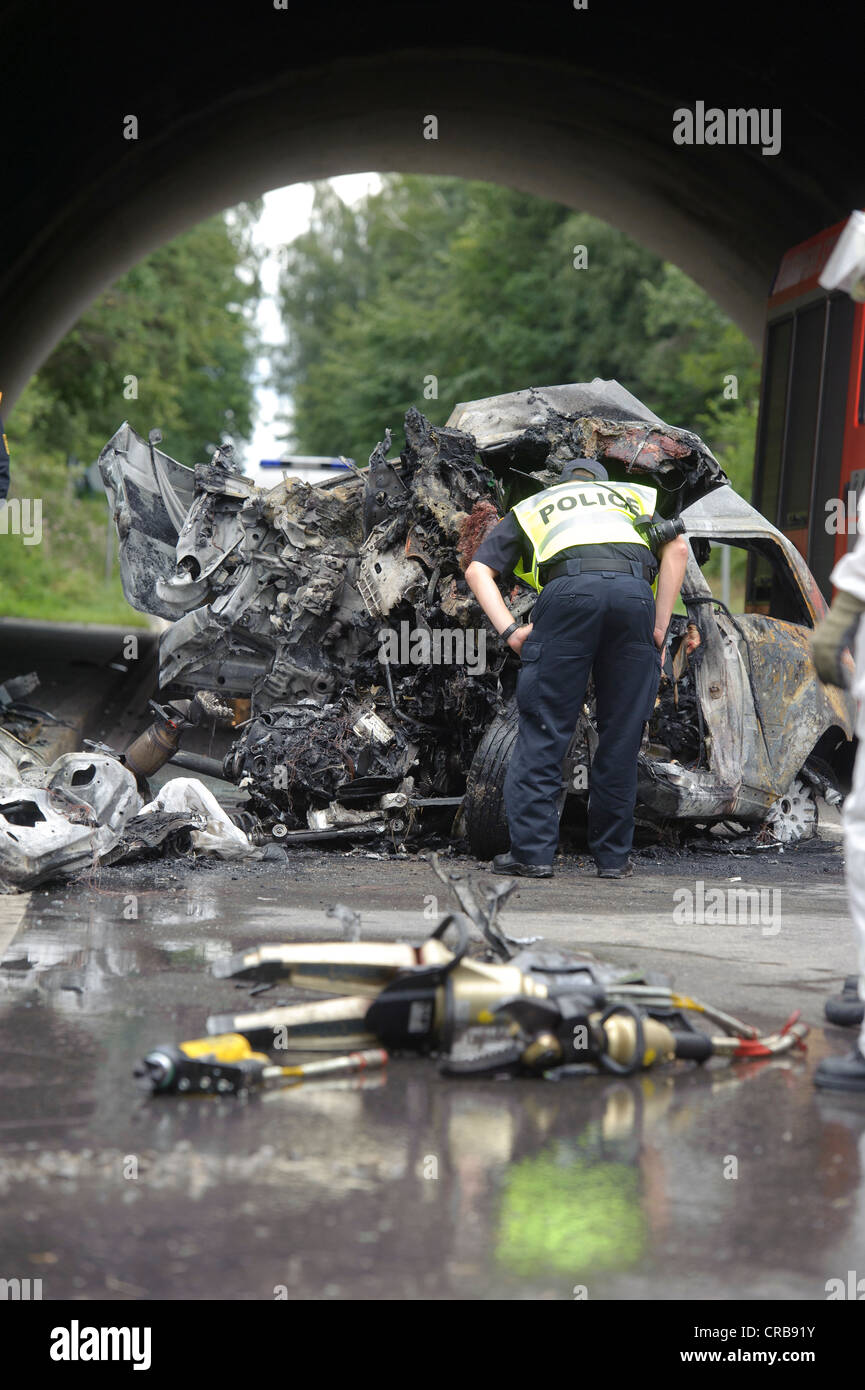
(844, 1013)
(483, 806)
(846, 1010)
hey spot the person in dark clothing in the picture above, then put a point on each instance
(4, 461)
(578, 543)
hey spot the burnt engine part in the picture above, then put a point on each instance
(676, 724)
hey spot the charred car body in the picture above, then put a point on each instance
(293, 597)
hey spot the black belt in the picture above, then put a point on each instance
(641, 571)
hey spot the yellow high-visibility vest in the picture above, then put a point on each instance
(582, 513)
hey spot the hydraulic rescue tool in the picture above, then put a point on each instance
(227, 1065)
(525, 1012)
(530, 1012)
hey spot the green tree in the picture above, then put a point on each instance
(180, 324)
(701, 371)
(476, 286)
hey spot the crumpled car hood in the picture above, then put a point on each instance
(599, 419)
(150, 495)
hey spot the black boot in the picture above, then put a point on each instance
(842, 1073)
(846, 1009)
(506, 864)
(623, 871)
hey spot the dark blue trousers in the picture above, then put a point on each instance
(601, 622)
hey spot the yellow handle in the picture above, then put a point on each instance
(225, 1047)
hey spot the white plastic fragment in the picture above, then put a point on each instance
(211, 829)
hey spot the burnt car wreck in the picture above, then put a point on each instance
(376, 688)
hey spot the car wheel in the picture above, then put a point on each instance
(794, 815)
(483, 808)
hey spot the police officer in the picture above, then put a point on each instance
(578, 544)
(841, 629)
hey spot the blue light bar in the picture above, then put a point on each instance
(306, 461)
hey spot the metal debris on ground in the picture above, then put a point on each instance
(18, 716)
(86, 809)
(507, 1011)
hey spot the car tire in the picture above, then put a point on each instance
(483, 809)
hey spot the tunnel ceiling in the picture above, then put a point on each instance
(575, 105)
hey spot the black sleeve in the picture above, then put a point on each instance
(4, 464)
(503, 547)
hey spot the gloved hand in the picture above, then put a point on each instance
(830, 638)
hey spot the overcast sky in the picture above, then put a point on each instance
(285, 215)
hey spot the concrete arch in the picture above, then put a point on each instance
(572, 105)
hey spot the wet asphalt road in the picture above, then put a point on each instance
(728, 1181)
